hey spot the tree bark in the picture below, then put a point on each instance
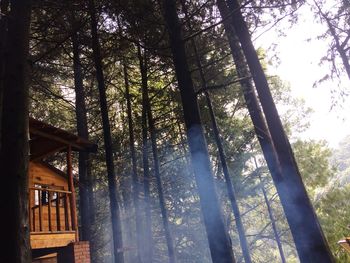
(148, 241)
(86, 208)
(135, 180)
(219, 242)
(307, 233)
(112, 184)
(14, 155)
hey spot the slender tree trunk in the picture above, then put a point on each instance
(222, 156)
(112, 183)
(229, 186)
(85, 186)
(273, 224)
(219, 242)
(3, 35)
(165, 219)
(14, 155)
(128, 191)
(135, 180)
(271, 216)
(307, 233)
(146, 175)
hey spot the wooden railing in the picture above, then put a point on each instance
(50, 210)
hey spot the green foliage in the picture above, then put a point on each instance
(334, 212)
(328, 187)
(313, 159)
(341, 159)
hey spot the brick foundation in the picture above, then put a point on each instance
(78, 252)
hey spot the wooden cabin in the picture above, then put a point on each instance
(54, 235)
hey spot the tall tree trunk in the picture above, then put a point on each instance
(219, 242)
(307, 233)
(222, 156)
(85, 180)
(14, 155)
(260, 127)
(146, 175)
(135, 180)
(112, 183)
(165, 219)
(3, 35)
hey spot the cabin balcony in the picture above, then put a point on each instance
(52, 205)
(50, 216)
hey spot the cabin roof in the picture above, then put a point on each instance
(46, 139)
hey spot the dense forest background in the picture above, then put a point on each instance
(126, 45)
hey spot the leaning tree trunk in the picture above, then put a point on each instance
(14, 155)
(112, 183)
(135, 180)
(307, 233)
(219, 242)
(148, 241)
(165, 219)
(222, 156)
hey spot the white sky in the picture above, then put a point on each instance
(300, 67)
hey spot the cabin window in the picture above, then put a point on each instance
(44, 195)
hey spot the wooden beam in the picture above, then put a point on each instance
(33, 229)
(55, 138)
(72, 196)
(51, 190)
(29, 209)
(40, 210)
(66, 214)
(49, 210)
(58, 215)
